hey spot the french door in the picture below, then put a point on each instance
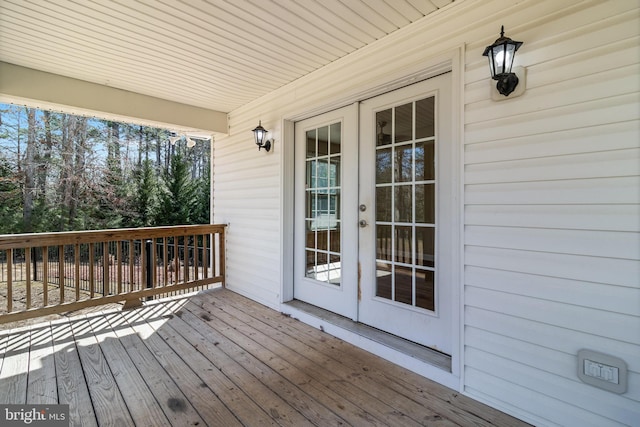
(374, 201)
(326, 241)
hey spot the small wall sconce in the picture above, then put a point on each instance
(501, 54)
(260, 134)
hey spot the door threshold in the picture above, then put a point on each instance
(383, 344)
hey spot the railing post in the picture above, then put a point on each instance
(148, 244)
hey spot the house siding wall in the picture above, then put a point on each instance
(551, 239)
(551, 196)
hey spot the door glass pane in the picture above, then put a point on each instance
(404, 163)
(405, 204)
(425, 161)
(383, 204)
(323, 203)
(384, 280)
(404, 122)
(425, 127)
(426, 203)
(323, 141)
(425, 289)
(383, 166)
(383, 130)
(425, 245)
(311, 144)
(335, 140)
(383, 242)
(334, 239)
(403, 279)
(403, 245)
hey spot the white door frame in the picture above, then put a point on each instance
(451, 60)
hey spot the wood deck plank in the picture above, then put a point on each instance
(172, 401)
(135, 392)
(41, 384)
(256, 341)
(212, 410)
(4, 339)
(14, 374)
(241, 404)
(308, 405)
(438, 398)
(279, 409)
(72, 388)
(107, 400)
(375, 373)
(229, 361)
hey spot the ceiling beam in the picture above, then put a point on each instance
(39, 89)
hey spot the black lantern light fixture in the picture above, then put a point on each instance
(501, 54)
(260, 135)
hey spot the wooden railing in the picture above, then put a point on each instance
(48, 273)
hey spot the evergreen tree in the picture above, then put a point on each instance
(10, 199)
(146, 199)
(177, 201)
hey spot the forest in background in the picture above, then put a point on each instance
(61, 172)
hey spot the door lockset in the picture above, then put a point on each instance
(363, 208)
(363, 223)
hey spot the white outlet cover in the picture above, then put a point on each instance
(588, 358)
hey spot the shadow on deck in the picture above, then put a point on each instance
(218, 359)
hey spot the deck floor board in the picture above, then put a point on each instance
(218, 359)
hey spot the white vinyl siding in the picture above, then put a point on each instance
(246, 186)
(552, 204)
(551, 240)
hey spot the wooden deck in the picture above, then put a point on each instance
(218, 359)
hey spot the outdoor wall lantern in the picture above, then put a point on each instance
(260, 134)
(175, 138)
(501, 54)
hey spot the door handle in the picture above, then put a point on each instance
(363, 223)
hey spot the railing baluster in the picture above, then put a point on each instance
(119, 264)
(76, 255)
(27, 261)
(205, 257)
(132, 250)
(105, 269)
(165, 261)
(185, 261)
(45, 275)
(176, 259)
(196, 253)
(143, 263)
(154, 263)
(222, 255)
(9, 280)
(61, 272)
(92, 266)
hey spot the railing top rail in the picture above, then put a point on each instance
(14, 241)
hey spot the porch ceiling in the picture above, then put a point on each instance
(214, 54)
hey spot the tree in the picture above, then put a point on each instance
(61, 172)
(146, 200)
(10, 198)
(29, 172)
(177, 198)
